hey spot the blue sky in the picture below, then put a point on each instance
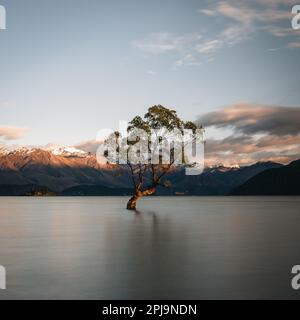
(70, 67)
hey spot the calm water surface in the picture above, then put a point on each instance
(181, 248)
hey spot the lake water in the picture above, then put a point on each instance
(174, 248)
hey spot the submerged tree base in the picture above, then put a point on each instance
(131, 205)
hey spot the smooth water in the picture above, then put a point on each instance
(174, 248)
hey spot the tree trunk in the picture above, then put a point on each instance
(131, 205)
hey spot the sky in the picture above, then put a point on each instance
(69, 68)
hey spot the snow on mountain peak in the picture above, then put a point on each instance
(22, 150)
(55, 150)
(3, 151)
(224, 167)
(68, 152)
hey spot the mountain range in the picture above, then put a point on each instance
(284, 180)
(69, 172)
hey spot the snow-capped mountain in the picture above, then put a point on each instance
(224, 168)
(56, 169)
(55, 150)
(3, 151)
(68, 152)
(59, 168)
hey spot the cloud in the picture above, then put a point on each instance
(259, 133)
(12, 133)
(245, 144)
(242, 20)
(185, 46)
(151, 72)
(294, 45)
(209, 46)
(250, 17)
(158, 43)
(190, 47)
(276, 2)
(208, 12)
(247, 150)
(244, 13)
(88, 146)
(188, 59)
(280, 31)
(253, 119)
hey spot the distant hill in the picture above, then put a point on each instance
(25, 190)
(56, 170)
(221, 180)
(96, 191)
(277, 181)
(70, 171)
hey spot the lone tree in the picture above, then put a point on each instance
(150, 149)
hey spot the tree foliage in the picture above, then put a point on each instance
(146, 177)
